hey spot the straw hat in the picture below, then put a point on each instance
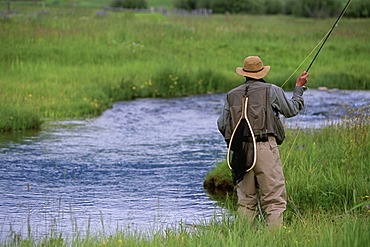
(253, 68)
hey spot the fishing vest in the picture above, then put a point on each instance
(263, 119)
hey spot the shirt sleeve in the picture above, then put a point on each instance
(224, 117)
(287, 107)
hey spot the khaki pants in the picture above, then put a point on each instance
(267, 176)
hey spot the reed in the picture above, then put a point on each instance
(230, 230)
(76, 62)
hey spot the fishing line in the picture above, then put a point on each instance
(322, 42)
(304, 60)
(299, 131)
(331, 30)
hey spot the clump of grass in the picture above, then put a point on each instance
(219, 178)
(170, 83)
(19, 118)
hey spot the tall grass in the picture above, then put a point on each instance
(229, 231)
(327, 178)
(325, 170)
(76, 61)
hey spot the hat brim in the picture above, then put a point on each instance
(255, 75)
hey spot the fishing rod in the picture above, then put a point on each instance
(322, 42)
(327, 36)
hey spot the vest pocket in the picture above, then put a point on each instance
(257, 117)
(279, 130)
(235, 114)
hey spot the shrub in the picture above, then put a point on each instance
(186, 4)
(130, 4)
(274, 7)
(359, 8)
(313, 8)
(302, 8)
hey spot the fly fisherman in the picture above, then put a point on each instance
(265, 102)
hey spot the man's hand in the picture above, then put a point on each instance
(302, 79)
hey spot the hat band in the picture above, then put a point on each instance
(248, 71)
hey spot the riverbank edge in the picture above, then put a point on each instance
(314, 150)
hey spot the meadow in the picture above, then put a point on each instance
(74, 62)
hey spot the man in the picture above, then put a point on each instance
(265, 102)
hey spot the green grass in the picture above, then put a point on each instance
(229, 231)
(325, 170)
(327, 177)
(75, 63)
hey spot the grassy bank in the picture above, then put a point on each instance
(68, 62)
(325, 171)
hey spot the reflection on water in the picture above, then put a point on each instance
(140, 164)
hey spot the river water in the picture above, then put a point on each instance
(139, 165)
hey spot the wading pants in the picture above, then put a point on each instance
(267, 175)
